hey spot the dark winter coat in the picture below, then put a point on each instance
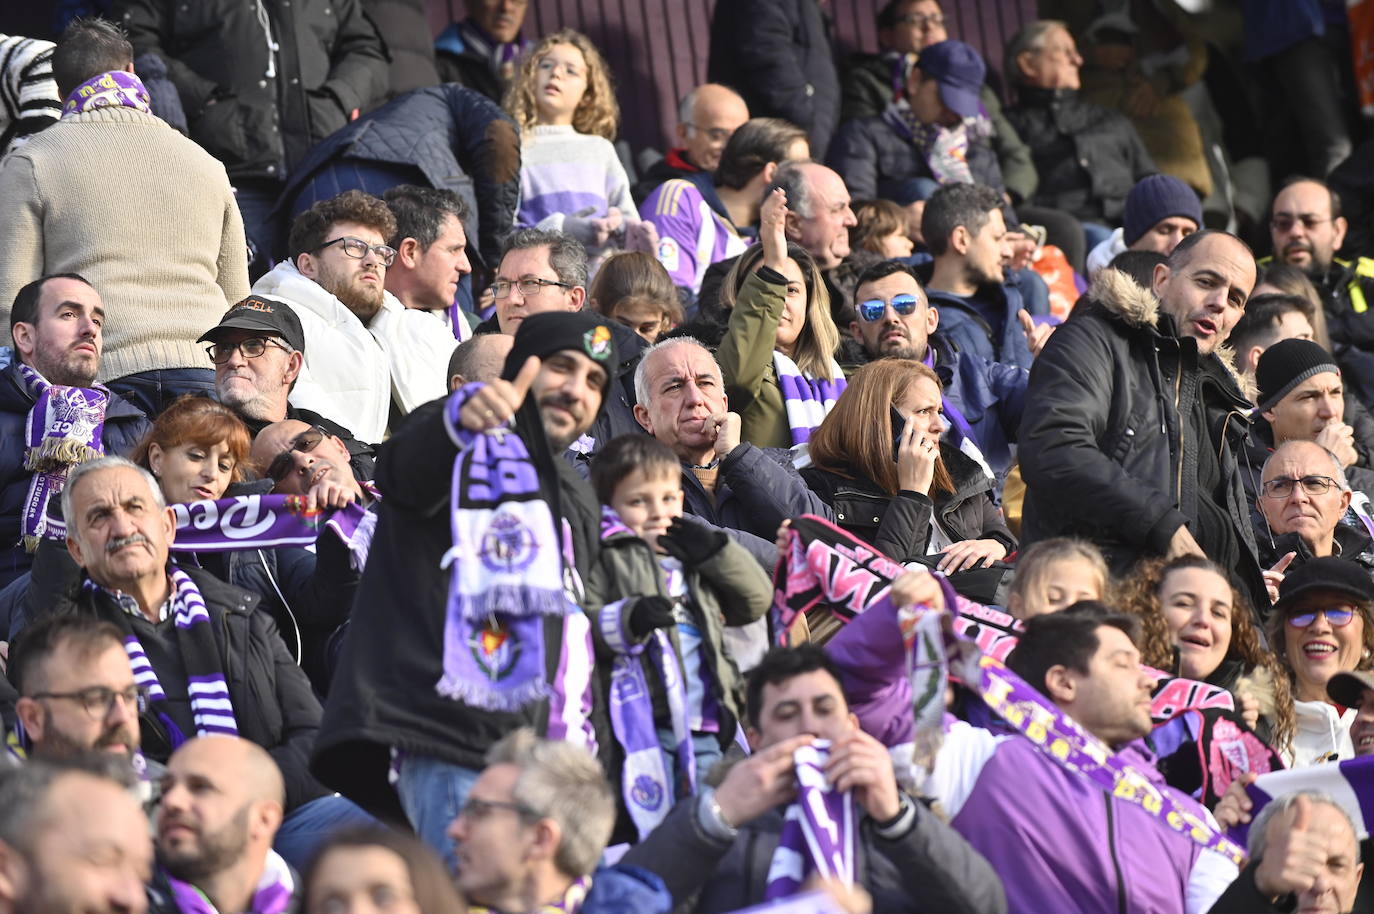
(1103, 448)
(459, 140)
(876, 160)
(1087, 157)
(460, 62)
(404, 29)
(777, 54)
(382, 696)
(273, 703)
(899, 525)
(330, 64)
(961, 324)
(125, 426)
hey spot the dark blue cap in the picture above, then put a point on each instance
(960, 72)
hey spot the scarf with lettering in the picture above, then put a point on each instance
(824, 565)
(1350, 783)
(272, 895)
(268, 522)
(506, 574)
(64, 428)
(211, 707)
(818, 829)
(115, 89)
(645, 777)
(570, 903)
(808, 400)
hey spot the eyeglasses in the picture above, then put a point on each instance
(717, 134)
(1283, 486)
(1337, 616)
(98, 700)
(874, 309)
(529, 288)
(305, 442)
(358, 248)
(252, 348)
(475, 810)
(1285, 223)
(923, 23)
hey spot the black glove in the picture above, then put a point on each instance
(650, 613)
(692, 543)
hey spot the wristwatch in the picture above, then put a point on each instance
(711, 819)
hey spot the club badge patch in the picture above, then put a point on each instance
(507, 546)
(647, 793)
(495, 651)
(597, 342)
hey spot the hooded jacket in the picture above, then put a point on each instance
(1106, 446)
(352, 373)
(1063, 844)
(383, 694)
(966, 328)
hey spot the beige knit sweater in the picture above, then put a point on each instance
(143, 213)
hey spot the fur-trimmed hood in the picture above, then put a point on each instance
(1134, 305)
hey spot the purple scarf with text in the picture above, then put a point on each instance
(818, 829)
(64, 428)
(272, 895)
(115, 89)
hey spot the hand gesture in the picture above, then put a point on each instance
(860, 763)
(641, 236)
(1339, 439)
(1273, 577)
(917, 588)
(1296, 855)
(495, 403)
(764, 781)
(650, 613)
(693, 542)
(916, 456)
(727, 433)
(1234, 806)
(1249, 709)
(1037, 335)
(773, 229)
(1182, 543)
(327, 494)
(971, 554)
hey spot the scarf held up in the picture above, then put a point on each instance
(65, 427)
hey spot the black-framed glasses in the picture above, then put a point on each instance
(1336, 616)
(475, 810)
(529, 288)
(358, 248)
(924, 23)
(252, 348)
(874, 309)
(305, 442)
(98, 700)
(1282, 487)
(1283, 222)
(716, 134)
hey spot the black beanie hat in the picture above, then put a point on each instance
(1285, 365)
(548, 332)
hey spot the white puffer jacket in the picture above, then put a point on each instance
(1322, 731)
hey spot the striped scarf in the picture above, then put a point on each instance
(807, 400)
(65, 427)
(115, 89)
(211, 706)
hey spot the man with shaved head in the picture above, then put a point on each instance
(304, 459)
(222, 802)
(478, 359)
(706, 118)
(1303, 496)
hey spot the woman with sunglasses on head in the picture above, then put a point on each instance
(778, 354)
(1322, 624)
(906, 492)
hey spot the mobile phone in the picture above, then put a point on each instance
(898, 426)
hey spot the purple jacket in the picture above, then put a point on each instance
(1059, 842)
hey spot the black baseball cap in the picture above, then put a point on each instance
(1325, 573)
(258, 312)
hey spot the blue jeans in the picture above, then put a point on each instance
(154, 391)
(432, 792)
(307, 826)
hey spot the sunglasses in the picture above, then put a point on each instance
(1336, 616)
(874, 309)
(305, 442)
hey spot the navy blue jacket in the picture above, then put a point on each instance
(125, 425)
(458, 138)
(875, 159)
(962, 325)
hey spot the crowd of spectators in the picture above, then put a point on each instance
(908, 490)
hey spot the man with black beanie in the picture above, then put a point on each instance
(418, 699)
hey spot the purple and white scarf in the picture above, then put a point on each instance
(115, 89)
(818, 829)
(506, 573)
(807, 400)
(1350, 783)
(211, 707)
(64, 428)
(645, 778)
(268, 522)
(825, 565)
(272, 895)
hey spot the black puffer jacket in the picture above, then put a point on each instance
(459, 139)
(1103, 447)
(125, 425)
(777, 54)
(257, 111)
(273, 703)
(404, 29)
(899, 525)
(1088, 157)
